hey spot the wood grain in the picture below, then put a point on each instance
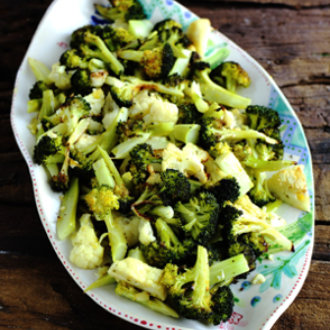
(290, 38)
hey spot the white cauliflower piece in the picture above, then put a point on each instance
(130, 228)
(95, 100)
(139, 274)
(199, 32)
(146, 234)
(87, 253)
(290, 186)
(153, 108)
(98, 78)
(59, 76)
(189, 160)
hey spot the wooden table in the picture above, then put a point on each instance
(290, 38)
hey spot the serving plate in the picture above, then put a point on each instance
(257, 306)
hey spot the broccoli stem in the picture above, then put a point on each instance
(217, 57)
(215, 93)
(140, 28)
(123, 149)
(226, 270)
(48, 104)
(111, 166)
(102, 281)
(201, 278)
(102, 173)
(34, 105)
(267, 165)
(39, 69)
(105, 54)
(131, 55)
(186, 133)
(162, 211)
(137, 254)
(118, 242)
(66, 220)
(161, 129)
(144, 299)
(237, 135)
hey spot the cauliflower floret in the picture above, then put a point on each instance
(153, 108)
(130, 227)
(98, 78)
(59, 76)
(199, 32)
(189, 160)
(139, 274)
(290, 186)
(146, 234)
(87, 252)
(95, 100)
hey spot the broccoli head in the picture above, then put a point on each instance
(72, 60)
(260, 194)
(101, 200)
(230, 75)
(81, 82)
(167, 249)
(115, 38)
(122, 10)
(122, 91)
(48, 144)
(222, 305)
(226, 190)
(90, 45)
(175, 187)
(141, 159)
(200, 216)
(261, 118)
(188, 114)
(156, 63)
(37, 90)
(129, 129)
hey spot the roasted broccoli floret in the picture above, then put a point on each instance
(261, 118)
(72, 60)
(167, 249)
(188, 114)
(74, 109)
(47, 144)
(140, 164)
(122, 92)
(189, 291)
(101, 201)
(156, 63)
(259, 194)
(129, 129)
(213, 131)
(81, 82)
(226, 190)
(200, 216)
(175, 187)
(213, 92)
(37, 90)
(115, 38)
(86, 41)
(222, 305)
(230, 75)
(122, 10)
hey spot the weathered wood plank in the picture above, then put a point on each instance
(288, 3)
